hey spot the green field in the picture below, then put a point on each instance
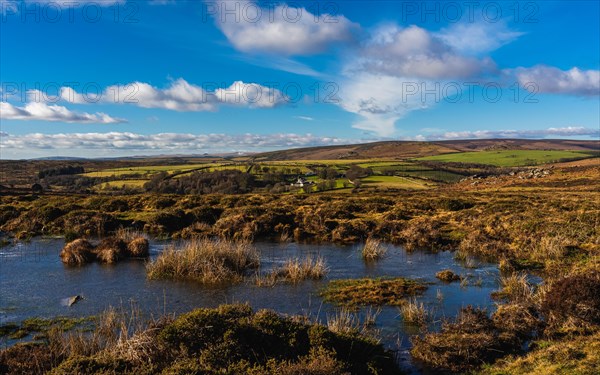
(394, 182)
(508, 158)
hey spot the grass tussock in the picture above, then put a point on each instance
(205, 261)
(295, 271)
(343, 321)
(77, 253)
(111, 250)
(138, 247)
(370, 291)
(447, 276)
(373, 250)
(230, 339)
(414, 312)
(515, 287)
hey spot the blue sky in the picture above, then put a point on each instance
(122, 77)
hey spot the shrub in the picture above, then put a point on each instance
(464, 345)
(574, 297)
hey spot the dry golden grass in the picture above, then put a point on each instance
(294, 271)
(414, 312)
(373, 250)
(77, 253)
(111, 250)
(515, 287)
(343, 321)
(139, 247)
(206, 261)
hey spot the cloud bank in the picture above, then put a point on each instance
(195, 143)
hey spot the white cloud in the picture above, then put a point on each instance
(183, 96)
(180, 96)
(569, 131)
(45, 112)
(380, 78)
(379, 100)
(305, 118)
(250, 94)
(280, 29)
(416, 52)
(165, 142)
(475, 38)
(552, 80)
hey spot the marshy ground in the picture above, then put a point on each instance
(539, 314)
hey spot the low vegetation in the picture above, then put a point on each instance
(447, 276)
(467, 343)
(108, 250)
(206, 261)
(544, 220)
(231, 339)
(414, 312)
(373, 250)
(369, 291)
(294, 271)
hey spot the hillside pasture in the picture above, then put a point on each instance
(509, 158)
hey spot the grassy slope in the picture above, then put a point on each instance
(508, 158)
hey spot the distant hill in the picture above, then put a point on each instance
(412, 149)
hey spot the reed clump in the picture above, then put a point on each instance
(77, 253)
(414, 312)
(294, 271)
(206, 261)
(515, 287)
(373, 250)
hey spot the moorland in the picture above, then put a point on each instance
(531, 206)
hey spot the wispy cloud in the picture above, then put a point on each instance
(305, 118)
(53, 113)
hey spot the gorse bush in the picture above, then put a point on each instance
(206, 261)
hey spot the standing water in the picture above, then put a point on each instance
(34, 283)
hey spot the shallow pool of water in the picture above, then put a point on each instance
(34, 283)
